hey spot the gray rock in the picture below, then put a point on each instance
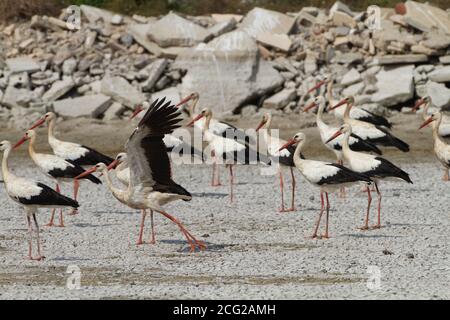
(425, 17)
(439, 93)
(175, 31)
(348, 58)
(162, 83)
(436, 40)
(395, 85)
(441, 74)
(354, 89)
(126, 39)
(310, 63)
(351, 77)
(113, 112)
(444, 59)
(154, 72)
(19, 80)
(69, 66)
(280, 99)
(172, 94)
(339, 6)
(121, 91)
(400, 59)
(18, 97)
(139, 33)
(22, 64)
(90, 105)
(116, 19)
(221, 28)
(227, 72)
(259, 21)
(58, 89)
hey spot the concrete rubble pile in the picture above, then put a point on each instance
(238, 64)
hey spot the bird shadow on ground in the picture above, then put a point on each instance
(356, 235)
(115, 212)
(91, 225)
(413, 224)
(210, 194)
(209, 246)
(70, 259)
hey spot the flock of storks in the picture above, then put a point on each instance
(145, 168)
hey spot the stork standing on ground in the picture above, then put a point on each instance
(284, 158)
(375, 167)
(226, 150)
(355, 113)
(368, 131)
(329, 177)
(444, 127)
(32, 196)
(151, 185)
(441, 149)
(55, 168)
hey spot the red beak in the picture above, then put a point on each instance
(334, 136)
(20, 142)
(309, 107)
(427, 122)
(262, 123)
(287, 144)
(419, 102)
(37, 124)
(138, 110)
(190, 124)
(188, 98)
(317, 86)
(86, 173)
(342, 102)
(113, 164)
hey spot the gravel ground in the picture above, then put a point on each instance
(253, 251)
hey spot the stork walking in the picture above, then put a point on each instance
(444, 127)
(441, 148)
(151, 185)
(368, 131)
(328, 177)
(228, 151)
(31, 196)
(356, 113)
(375, 167)
(284, 158)
(55, 168)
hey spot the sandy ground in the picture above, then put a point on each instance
(253, 251)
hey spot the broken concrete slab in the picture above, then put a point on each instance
(18, 97)
(90, 106)
(399, 59)
(395, 85)
(153, 72)
(278, 41)
(22, 64)
(114, 111)
(425, 17)
(338, 6)
(354, 89)
(172, 94)
(94, 14)
(310, 63)
(440, 74)
(444, 59)
(175, 31)
(351, 77)
(121, 91)
(228, 71)
(439, 93)
(58, 89)
(342, 19)
(221, 28)
(280, 99)
(259, 21)
(139, 33)
(226, 17)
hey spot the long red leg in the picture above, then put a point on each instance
(141, 229)
(293, 191)
(282, 209)
(51, 224)
(231, 182)
(213, 180)
(38, 239)
(369, 201)
(378, 225)
(193, 242)
(153, 239)
(61, 219)
(30, 238)
(316, 228)
(327, 216)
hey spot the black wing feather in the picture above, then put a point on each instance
(49, 197)
(388, 169)
(344, 175)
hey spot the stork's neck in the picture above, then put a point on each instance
(329, 93)
(297, 158)
(51, 129)
(192, 107)
(345, 143)
(436, 124)
(267, 127)
(31, 150)
(425, 110)
(347, 111)
(117, 193)
(5, 169)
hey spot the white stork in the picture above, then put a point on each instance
(375, 167)
(73, 152)
(55, 168)
(228, 151)
(31, 195)
(370, 132)
(173, 143)
(327, 176)
(444, 127)
(151, 185)
(357, 113)
(284, 158)
(441, 148)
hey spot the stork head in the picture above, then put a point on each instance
(192, 96)
(28, 135)
(139, 108)
(205, 113)
(298, 138)
(45, 118)
(420, 102)
(317, 101)
(349, 100)
(437, 116)
(98, 167)
(342, 130)
(120, 158)
(4, 145)
(266, 118)
(325, 80)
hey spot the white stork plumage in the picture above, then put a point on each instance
(375, 167)
(55, 168)
(284, 158)
(73, 152)
(329, 177)
(357, 113)
(31, 196)
(151, 185)
(444, 127)
(228, 151)
(441, 148)
(370, 132)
